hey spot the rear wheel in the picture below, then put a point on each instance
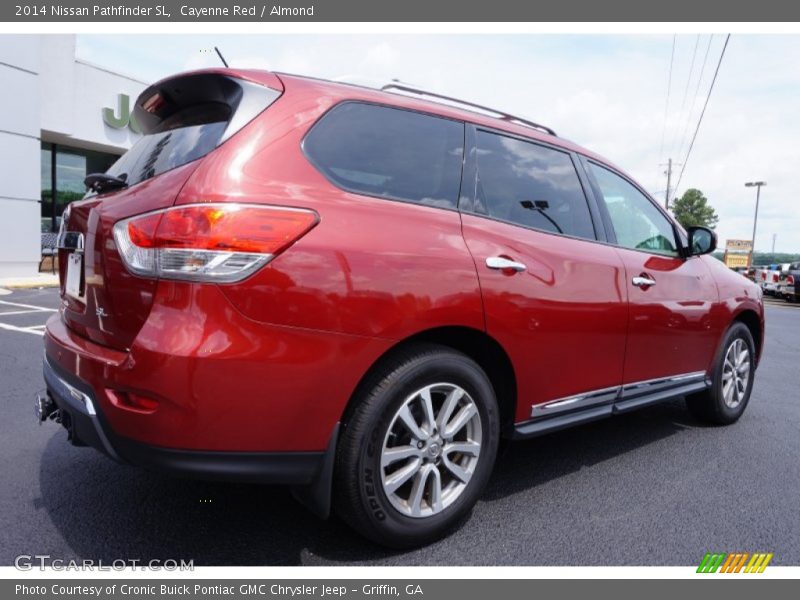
(418, 449)
(726, 400)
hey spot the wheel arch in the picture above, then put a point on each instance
(478, 345)
(752, 321)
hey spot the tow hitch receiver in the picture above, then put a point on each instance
(44, 407)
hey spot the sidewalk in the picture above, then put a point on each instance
(35, 281)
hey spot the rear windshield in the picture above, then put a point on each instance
(185, 118)
(186, 136)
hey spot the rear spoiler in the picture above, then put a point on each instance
(219, 94)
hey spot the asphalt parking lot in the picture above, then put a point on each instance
(648, 488)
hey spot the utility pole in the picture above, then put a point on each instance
(774, 235)
(670, 165)
(757, 185)
(669, 181)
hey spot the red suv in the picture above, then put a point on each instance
(359, 292)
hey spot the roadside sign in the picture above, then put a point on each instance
(737, 253)
(738, 246)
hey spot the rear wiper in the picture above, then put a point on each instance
(100, 182)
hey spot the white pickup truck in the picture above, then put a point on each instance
(769, 278)
(788, 284)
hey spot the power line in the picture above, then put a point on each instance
(685, 95)
(703, 112)
(685, 132)
(666, 104)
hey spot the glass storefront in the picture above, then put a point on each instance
(68, 166)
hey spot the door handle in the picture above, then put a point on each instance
(643, 281)
(501, 263)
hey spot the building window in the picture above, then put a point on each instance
(47, 187)
(69, 167)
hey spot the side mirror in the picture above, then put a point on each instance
(701, 241)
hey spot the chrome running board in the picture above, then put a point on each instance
(597, 404)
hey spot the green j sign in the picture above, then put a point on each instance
(123, 117)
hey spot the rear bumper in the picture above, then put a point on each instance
(202, 377)
(226, 397)
(82, 416)
(78, 410)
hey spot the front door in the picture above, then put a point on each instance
(671, 333)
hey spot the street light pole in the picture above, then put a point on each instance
(757, 185)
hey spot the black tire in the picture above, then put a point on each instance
(359, 495)
(710, 406)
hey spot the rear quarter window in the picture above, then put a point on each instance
(389, 153)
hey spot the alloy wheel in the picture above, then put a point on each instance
(735, 373)
(431, 450)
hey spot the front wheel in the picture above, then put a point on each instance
(419, 447)
(734, 370)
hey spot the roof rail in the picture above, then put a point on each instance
(502, 115)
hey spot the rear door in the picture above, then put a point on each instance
(553, 296)
(672, 334)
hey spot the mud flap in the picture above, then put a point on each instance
(316, 496)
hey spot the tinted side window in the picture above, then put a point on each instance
(638, 224)
(531, 185)
(388, 152)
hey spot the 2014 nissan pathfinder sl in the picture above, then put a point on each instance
(359, 292)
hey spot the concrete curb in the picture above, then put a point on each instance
(26, 283)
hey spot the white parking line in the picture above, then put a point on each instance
(30, 306)
(34, 330)
(19, 312)
(24, 309)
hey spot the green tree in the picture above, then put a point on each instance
(692, 210)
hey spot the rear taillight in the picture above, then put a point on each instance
(209, 242)
(775, 278)
(790, 280)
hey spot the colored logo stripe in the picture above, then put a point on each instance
(710, 563)
(758, 563)
(734, 562)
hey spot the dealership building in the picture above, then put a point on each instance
(60, 119)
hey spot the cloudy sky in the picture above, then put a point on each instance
(607, 93)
